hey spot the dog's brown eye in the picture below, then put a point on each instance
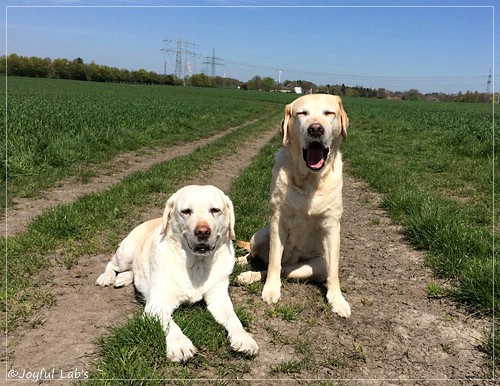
(186, 212)
(330, 113)
(303, 113)
(215, 210)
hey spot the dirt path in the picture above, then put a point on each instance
(404, 334)
(396, 335)
(25, 209)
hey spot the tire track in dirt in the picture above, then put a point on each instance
(66, 340)
(25, 210)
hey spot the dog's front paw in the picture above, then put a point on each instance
(180, 349)
(248, 277)
(243, 342)
(339, 305)
(271, 292)
(107, 278)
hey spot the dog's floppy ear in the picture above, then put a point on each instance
(344, 119)
(284, 123)
(230, 214)
(167, 213)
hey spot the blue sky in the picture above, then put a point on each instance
(394, 44)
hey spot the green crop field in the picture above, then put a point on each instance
(434, 164)
(55, 126)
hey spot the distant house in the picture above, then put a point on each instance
(297, 90)
(283, 89)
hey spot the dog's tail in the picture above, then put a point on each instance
(243, 245)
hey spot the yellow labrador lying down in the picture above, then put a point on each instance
(183, 257)
(303, 239)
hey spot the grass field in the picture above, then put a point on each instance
(433, 163)
(56, 127)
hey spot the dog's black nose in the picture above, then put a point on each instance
(316, 130)
(202, 232)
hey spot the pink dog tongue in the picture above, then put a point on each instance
(315, 158)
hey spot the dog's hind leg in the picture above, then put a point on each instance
(243, 260)
(250, 277)
(314, 269)
(109, 275)
(124, 278)
(120, 263)
(259, 249)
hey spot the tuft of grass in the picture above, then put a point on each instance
(244, 315)
(199, 325)
(358, 352)
(449, 349)
(366, 302)
(290, 366)
(134, 350)
(303, 359)
(289, 312)
(68, 261)
(338, 361)
(278, 337)
(434, 290)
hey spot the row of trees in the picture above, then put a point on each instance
(268, 84)
(77, 69)
(202, 80)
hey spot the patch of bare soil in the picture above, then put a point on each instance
(396, 335)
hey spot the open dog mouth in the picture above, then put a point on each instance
(315, 156)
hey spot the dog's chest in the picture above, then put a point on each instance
(199, 273)
(196, 281)
(200, 278)
(303, 203)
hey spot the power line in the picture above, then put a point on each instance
(213, 61)
(352, 76)
(167, 51)
(184, 53)
(488, 83)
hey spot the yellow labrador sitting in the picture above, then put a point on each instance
(303, 239)
(186, 256)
